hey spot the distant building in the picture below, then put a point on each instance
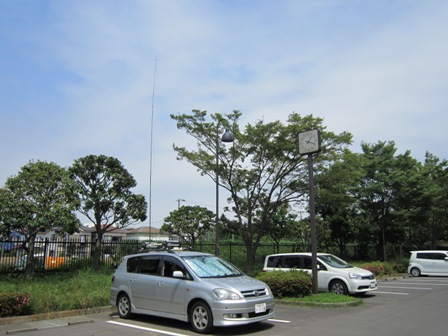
(88, 234)
(144, 234)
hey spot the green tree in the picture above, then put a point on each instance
(385, 177)
(40, 197)
(6, 211)
(104, 186)
(301, 234)
(189, 222)
(262, 170)
(283, 223)
(336, 200)
(429, 214)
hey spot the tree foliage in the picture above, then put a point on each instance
(189, 222)
(384, 176)
(382, 199)
(262, 170)
(104, 186)
(428, 218)
(282, 226)
(40, 197)
(337, 201)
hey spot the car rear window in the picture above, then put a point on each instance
(148, 266)
(143, 265)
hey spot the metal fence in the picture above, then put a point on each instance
(68, 255)
(61, 255)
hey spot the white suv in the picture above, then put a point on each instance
(334, 274)
(432, 262)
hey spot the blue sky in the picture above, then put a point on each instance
(77, 78)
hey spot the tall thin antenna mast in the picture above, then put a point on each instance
(150, 151)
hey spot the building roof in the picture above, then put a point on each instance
(143, 230)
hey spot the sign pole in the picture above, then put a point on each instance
(309, 143)
(312, 223)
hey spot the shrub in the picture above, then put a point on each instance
(15, 305)
(288, 284)
(401, 265)
(380, 268)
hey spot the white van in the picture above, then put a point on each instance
(334, 274)
(431, 262)
(189, 286)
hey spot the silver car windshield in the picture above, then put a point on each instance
(334, 261)
(211, 267)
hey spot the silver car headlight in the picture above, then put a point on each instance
(354, 276)
(225, 294)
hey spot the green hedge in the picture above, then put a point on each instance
(295, 284)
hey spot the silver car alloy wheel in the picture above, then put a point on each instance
(124, 306)
(201, 317)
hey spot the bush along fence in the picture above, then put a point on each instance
(14, 304)
(68, 255)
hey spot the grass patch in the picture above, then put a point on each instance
(64, 291)
(325, 299)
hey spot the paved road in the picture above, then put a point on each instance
(400, 307)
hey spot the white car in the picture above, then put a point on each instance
(334, 274)
(430, 262)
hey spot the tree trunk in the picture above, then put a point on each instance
(97, 254)
(250, 256)
(30, 260)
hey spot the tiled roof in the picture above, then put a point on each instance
(143, 229)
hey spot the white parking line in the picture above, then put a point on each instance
(394, 293)
(426, 283)
(279, 321)
(146, 329)
(406, 287)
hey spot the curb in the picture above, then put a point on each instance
(355, 303)
(55, 315)
(394, 277)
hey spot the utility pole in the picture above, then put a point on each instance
(178, 202)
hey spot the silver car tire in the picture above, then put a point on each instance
(201, 317)
(338, 287)
(124, 306)
(415, 272)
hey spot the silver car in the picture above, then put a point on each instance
(189, 286)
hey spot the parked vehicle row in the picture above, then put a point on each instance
(208, 291)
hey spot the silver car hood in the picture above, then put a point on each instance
(241, 283)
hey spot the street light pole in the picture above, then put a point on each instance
(178, 202)
(226, 137)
